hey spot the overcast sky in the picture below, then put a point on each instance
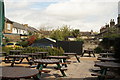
(85, 15)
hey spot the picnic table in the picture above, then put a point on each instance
(3, 53)
(107, 59)
(75, 54)
(18, 56)
(32, 55)
(89, 51)
(18, 73)
(62, 59)
(104, 66)
(41, 62)
(42, 54)
(107, 54)
(17, 52)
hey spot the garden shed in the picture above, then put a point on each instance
(45, 42)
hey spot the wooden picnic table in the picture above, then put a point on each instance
(18, 56)
(89, 51)
(62, 59)
(41, 62)
(75, 54)
(58, 57)
(107, 54)
(32, 55)
(3, 53)
(104, 66)
(42, 54)
(107, 64)
(18, 73)
(16, 52)
(107, 59)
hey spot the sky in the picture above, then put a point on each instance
(85, 15)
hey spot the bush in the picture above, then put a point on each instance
(107, 43)
(117, 48)
(98, 49)
(51, 51)
(24, 43)
(79, 39)
(6, 49)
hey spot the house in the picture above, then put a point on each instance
(87, 35)
(15, 31)
(45, 33)
(110, 28)
(8, 30)
(71, 38)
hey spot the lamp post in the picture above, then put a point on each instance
(2, 20)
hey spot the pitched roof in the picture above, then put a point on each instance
(85, 33)
(51, 39)
(7, 20)
(21, 26)
(18, 26)
(31, 29)
(45, 32)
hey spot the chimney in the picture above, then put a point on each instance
(118, 19)
(26, 25)
(112, 23)
(107, 25)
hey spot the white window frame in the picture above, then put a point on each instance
(8, 26)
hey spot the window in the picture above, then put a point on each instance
(10, 44)
(17, 44)
(8, 27)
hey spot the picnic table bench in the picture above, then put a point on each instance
(107, 59)
(107, 54)
(49, 61)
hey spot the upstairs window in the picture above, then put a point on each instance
(9, 27)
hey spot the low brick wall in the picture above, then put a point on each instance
(13, 37)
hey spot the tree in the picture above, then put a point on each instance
(62, 33)
(57, 35)
(66, 31)
(31, 39)
(76, 33)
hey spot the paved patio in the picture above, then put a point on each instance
(76, 71)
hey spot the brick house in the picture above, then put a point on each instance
(106, 30)
(87, 35)
(15, 31)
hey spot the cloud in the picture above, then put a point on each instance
(82, 14)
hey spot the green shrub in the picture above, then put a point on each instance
(79, 39)
(51, 51)
(117, 48)
(24, 43)
(6, 49)
(98, 49)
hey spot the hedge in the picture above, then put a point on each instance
(52, 51)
